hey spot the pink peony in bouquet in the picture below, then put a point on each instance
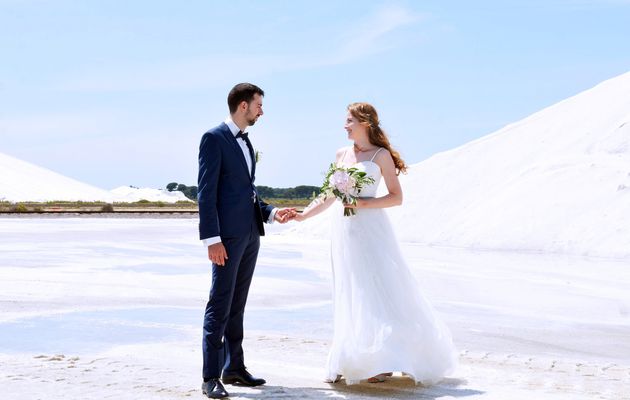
(345, 184)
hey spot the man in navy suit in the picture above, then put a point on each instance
(231, 216)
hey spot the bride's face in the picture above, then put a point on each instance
(354, 128)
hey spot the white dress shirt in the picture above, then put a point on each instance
(248, 159)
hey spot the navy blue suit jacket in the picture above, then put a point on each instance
(228, 200)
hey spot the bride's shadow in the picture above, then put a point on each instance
(393, 388)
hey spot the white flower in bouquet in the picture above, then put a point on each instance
(345, 184)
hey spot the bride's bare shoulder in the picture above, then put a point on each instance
(340, 152)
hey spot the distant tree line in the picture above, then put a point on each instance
(298, 192)
(266, 192)
(189, 191)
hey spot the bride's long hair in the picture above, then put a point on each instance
(367, 115)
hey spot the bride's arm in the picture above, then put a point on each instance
(395, 195)
(317, 206)
(320, 204)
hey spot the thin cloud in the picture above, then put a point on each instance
(590, 4)
(367, 37)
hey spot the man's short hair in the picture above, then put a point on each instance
(242, 92)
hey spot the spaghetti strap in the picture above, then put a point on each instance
(372, 159)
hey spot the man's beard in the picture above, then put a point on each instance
(252, 121)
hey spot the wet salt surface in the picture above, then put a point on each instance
(99, 307)
(91, 332)
(94, 283)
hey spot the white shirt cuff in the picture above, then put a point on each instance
(272, 216)
(210, 241)
(216, 239)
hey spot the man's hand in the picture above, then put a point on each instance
(217, 253)
(284, 215)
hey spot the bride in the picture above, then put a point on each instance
(382, 323)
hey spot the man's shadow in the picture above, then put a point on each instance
(394, 388)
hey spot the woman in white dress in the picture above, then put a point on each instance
(382, 323)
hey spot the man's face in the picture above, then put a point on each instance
(254, 109)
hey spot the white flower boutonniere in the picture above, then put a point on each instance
(257, 155)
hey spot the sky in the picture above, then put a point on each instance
(117, 93)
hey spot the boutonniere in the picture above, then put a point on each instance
(257, 155)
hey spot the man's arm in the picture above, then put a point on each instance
(271, 213)
(207, 183)
(268, 211)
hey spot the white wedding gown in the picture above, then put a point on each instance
(382, 323)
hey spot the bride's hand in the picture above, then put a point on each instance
(298, 217)
(284, 215)
(360, 204)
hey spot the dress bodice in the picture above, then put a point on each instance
(373, 170)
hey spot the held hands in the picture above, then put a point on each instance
(217, 253)
(285, 215)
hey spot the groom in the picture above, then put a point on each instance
(231, 216)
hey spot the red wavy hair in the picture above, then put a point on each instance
(367, 115)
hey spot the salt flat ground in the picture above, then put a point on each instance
(112, 308)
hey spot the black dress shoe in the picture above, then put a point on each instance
(242, 377)
(214, 389)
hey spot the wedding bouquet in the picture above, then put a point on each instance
(345, 184)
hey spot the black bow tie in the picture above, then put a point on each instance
(242, 135)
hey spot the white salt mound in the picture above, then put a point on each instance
(131, 194)
(23, 181)
(556, 181)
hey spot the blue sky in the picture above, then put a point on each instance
(119, 92)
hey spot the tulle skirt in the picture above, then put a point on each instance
(382, 323)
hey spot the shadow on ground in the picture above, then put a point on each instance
(393, 388)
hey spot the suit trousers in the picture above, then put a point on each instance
(223, 320)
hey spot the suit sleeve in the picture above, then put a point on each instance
(265, 209)
(207, 182)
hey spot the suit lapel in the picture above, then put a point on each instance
(253, 155)
(237, 149)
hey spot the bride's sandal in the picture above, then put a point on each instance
(378, 378)
(336, 380)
